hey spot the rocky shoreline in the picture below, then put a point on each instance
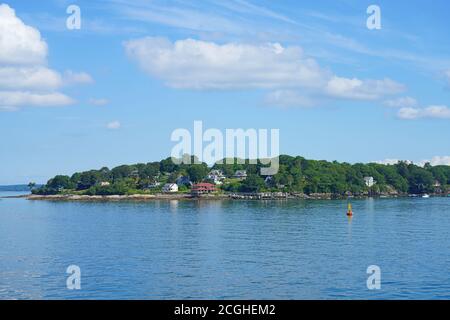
(222, 196)
(230, 196)
(133, 197)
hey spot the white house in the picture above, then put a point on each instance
(170, 187)
(240, 174)
(104, 183)
(369, 181)
(216, 176)
(216, 180)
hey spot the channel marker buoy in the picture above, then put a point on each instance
(349, 210)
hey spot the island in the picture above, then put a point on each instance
(297, 177)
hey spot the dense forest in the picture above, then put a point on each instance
(295, 174)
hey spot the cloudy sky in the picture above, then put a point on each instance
(113, 91)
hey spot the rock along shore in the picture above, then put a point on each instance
(186, 196)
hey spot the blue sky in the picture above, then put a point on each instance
(113, 92)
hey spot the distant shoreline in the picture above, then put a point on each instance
(186, 196)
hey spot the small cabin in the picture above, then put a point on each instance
(170, 187)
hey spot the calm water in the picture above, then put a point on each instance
(225, 249)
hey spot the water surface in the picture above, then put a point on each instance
(225, 249)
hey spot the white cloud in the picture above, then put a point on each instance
(19, 43)
(29, 78)
(288, 98)
(442, 112)
(362, 89)
(387, 161)
(447, 75)
(25, 79)
(438, 161)
(408, 113)
(391, 161)
(114, 125)
(195, 64)
(242, 6)
(402, 102)
(98, 102)
(14, 99)
(185, 17)
(435, 161)
(71, 77)
(8, 108)
(437, 112)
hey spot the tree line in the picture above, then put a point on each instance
(295, 174)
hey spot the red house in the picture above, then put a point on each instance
(203, 187)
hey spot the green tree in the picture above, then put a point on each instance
(197, 172)
(420, 180)
(88, 179)
(253, 183)
(121, 172)
(295, 174)
(60, 182)
(168, 166)
(31, 185)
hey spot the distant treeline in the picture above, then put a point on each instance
(295, 174)
(17, 187)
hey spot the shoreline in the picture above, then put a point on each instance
(230, 196)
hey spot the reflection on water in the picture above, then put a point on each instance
(173, 205)
(350, 219)
(225, 249)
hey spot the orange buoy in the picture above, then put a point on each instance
(349, 210)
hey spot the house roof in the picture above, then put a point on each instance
(204, 184)
(203, 187)
(170, 184)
